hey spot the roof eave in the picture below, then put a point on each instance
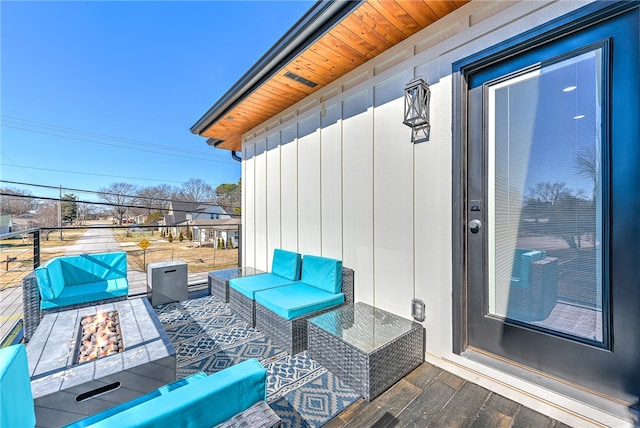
(321, 17)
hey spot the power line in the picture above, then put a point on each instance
(19, 166)
(31, 123)
(93, 173)
(98, 193)
(121, 205)
(118, 146)
(94, 192)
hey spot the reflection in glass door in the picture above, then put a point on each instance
(545, 204)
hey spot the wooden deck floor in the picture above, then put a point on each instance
(432, 397)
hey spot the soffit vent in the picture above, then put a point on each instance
(300, 79)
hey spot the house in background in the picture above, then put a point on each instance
(480, 157)
(219, 231)
(6, 223)
(208, 222)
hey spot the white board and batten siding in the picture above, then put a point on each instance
(338, 176)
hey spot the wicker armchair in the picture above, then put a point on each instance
(291, 334)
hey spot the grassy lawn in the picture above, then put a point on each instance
(198, 259)
(17, 254)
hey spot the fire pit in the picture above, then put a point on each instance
(73, 375)
(100, 336)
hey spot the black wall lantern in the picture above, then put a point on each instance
(416, 109)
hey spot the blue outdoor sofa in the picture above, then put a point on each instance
(85, 278)
(285, 270)
(69, 282)
(232, 397)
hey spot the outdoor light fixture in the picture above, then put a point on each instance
(417, 310)
(416, 108)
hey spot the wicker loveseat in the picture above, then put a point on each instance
(282, 312)
(73, 281)
(232, 397)
(285, 269)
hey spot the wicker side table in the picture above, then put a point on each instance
(218, 280)
(368, 348)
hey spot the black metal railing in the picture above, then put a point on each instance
(24, 250)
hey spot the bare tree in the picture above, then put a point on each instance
(196, 190)
(120, 196)
(588, 166)
(156, 197)
(47, 216)
(15, 201)
(85, 211)
(547, 192)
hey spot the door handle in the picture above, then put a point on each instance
(474, 225)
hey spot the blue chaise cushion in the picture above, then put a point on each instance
(298, 299)
(323, 273)
(16, 401)
(286, 264)
(204, 403)
(249, 285)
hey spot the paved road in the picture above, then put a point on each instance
(95, 240)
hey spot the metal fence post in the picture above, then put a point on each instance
(240, 246)
(36, 248)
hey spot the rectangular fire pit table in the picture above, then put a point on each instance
(64, 391)
(368, 348)
(218, 280)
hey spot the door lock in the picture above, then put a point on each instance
(474, 225)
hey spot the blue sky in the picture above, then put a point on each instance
(107, 91)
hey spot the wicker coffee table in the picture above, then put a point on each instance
(368, 348)
(218, 280)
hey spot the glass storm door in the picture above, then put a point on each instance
(552, 185)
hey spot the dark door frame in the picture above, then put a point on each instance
(562, 26)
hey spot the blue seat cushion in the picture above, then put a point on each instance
(89, 292)
(205, 402)
(298, 299)
(286, 264)
(249, 285)
(323, 273)
(16, 401)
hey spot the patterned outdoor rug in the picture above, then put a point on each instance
(208, 337)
